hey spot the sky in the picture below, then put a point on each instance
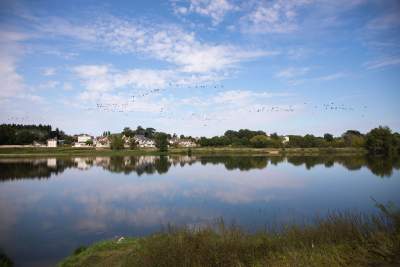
(201, 67)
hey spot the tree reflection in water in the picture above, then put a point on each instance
(20, 168)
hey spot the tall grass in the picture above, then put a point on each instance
(341, 239)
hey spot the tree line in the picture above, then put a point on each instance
(19, 134)
(379, 140)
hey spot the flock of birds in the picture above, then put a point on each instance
(127, 106)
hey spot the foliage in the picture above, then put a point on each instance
(381, 141)
(259, 141)
(328, 137)
(5, 261)
(132, 143)
(79, 250)
(117, 142)
(161, 140)
(128, 132)
(18, 134)
(340, 239)
(89, 142)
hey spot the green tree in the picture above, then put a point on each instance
(25, 137)
(381, 141)
(149, 132)
(353, 138)
(117, 142)
(89, 142)
(140, 130)
(328, 137)
(161, 140)
(128, 132)
(259, 141)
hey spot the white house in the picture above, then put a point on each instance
(182, 142)
(285, 139)
(82, 140)
(102, 142)
(143, 141)
(187, 143)
(52, 143)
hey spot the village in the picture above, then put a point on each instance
(140, 141)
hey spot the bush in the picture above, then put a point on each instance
(259, 141)
(117, 142)
(381, 141)
(161, 140)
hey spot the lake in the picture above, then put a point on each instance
(50, 206)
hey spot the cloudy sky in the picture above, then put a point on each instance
(200, 67)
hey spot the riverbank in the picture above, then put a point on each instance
(72, 151)
(338, 240)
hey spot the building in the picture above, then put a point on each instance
(187, 143)
(102, 142)
(83, 140)
(52, 143)
(182, 142)
(285, 139)
(144, 142)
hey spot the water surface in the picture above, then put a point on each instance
(50, 206)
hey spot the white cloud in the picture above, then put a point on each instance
(10, 51)
(278, 16)
(11, 82)
(67, 87)
(49, 85)
(323, 78)
(292, 72)
(48, 71)
(103, 78)
(330, 77)
(167, 43)
(232, 97)
(215, 9)
(382, 63)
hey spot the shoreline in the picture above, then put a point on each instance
(71, 151)
(339, 239)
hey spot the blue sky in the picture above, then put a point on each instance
(200, 67)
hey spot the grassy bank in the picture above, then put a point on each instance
(338, 240)
(71, 151)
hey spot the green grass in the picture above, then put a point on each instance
(71, 151)
(339, 240)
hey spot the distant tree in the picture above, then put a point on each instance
(7, 135)
(128, 132)
(328, 137)
(140, 130)
(381, 141)
(353, 138)
(259, 141)
(149, 132)
(117, 142)
(274, 136)
(25, 137)
(89, 142)
(161, 140)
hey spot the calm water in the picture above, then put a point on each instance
(50, 206)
